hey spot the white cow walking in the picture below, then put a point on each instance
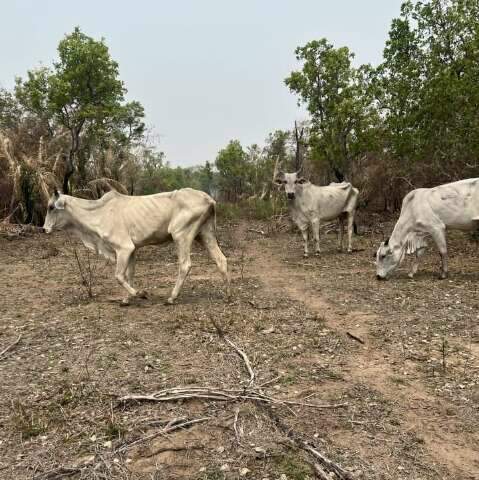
(117, 225)
(309, 205)
(428, 212)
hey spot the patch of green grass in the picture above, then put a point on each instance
(295, 468)
(28, 422)
(114, 430)
(212, 473)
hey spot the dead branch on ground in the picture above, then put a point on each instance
(5, 350)
(354, 337)
(260, 232)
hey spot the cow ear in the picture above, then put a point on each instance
(279, 178)
(374, 254)
(302, 180)
(60, 203)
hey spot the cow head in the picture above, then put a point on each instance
(293, 183)
(387, 259)
(56, 218)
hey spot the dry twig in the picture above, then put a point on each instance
(5, 350)
(354, 337)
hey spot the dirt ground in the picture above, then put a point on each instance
(397, 360)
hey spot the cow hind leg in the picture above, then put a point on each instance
(208, 239)
(123, 272)
(183, 244)
(340, 232)
(350, 230)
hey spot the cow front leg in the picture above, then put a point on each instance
(184, 267)
(130, 273)
(316, 227)
(305, 234)
(123, 272)
(415, 264)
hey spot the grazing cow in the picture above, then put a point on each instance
(117, 225)
(427, 212)
(309, 205)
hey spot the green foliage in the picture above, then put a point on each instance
(234, 171)
(339, 100)
(82, 92)
(428, 88)
(10, 110)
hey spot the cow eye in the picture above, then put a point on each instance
(50, 207)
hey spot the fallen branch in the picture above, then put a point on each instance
(171, 427)
(235, 426)
(296, 441)
(60, 472)
(5, 350)
(218, 394)
(260, 232)
(242, 354)
(354, 337)
(341, 473)
(245, 359)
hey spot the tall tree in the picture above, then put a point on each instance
(81, 89)
(428, 89)
(336, 95)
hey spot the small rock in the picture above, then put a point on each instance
(107, 444)
(220, 449)
(202, 469)
(268, 330)
(225, 468)
(93, 438)
(244, 471)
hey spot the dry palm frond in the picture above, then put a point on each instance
(99, 186)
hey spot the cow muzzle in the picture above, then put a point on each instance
(290, 196)
(379, 277)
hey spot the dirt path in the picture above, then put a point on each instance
(421, 412)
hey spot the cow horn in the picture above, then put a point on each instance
(386, 241)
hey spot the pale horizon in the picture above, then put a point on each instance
(206, 73)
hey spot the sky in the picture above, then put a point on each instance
(206, 71)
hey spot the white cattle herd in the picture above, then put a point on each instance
(116, 225)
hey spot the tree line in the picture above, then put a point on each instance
(408, 122)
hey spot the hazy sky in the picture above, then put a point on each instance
(206, 71)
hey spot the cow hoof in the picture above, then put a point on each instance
(305, 255)
(410, 275)
(170, 301)
(318, 254)
(350, 250)
(443, 276)
(142, 294)
(125, 302)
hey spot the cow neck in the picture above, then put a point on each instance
(400, 233)
(85, 214)
(295, 203)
